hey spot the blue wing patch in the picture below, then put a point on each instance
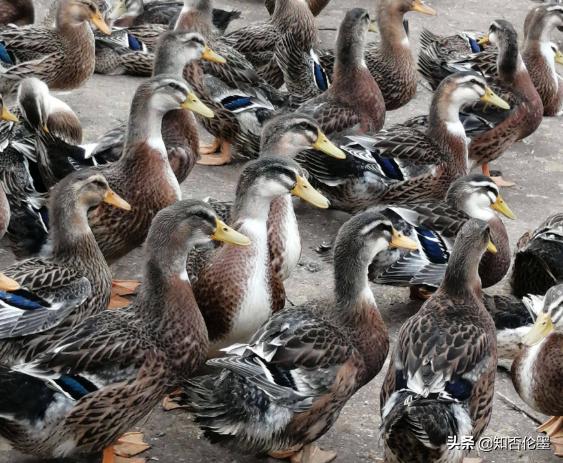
(234, 102)
(321, 79)
(433, 246)
(75, 386)
(134, 43)
(6, 56)
(459, 388)
(475, 47)
(389, 167)
(23, 300)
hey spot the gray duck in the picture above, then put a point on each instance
(73, 282)
(285, 388)
(441, 375)
(112, 369)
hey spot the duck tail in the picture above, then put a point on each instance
(426, 422)
(223, 18)
(430, 65)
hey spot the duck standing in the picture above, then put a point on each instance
(440, 381)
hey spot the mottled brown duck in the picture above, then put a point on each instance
(322, 353)
(111, 370)
(73, 282)
(537, 373)
(63, 57)
(440, 381)
(18, 12)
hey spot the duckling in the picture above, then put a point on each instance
(538, 263)
(440, 380)
(237, 290)
(301, 367)
(112, 369)
(353, 101)
(62, 57)
(435, 225)
(179, 130)
(540, 56)
(405, 164)
(143, 175)
(492, 132)
(72, 283)
(390, 61)
(537, 373)
(18, 12)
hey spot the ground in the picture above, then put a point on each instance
(536, 164)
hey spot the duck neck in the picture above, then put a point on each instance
(251, 207)
(166, 62)
(462, 273)
(509, 60)
(195, 16)
(394, 38)
(145, 124)
(71, 235)
(294, 16)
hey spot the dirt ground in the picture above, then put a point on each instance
(536, 164)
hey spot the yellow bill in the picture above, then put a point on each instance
(421, 7)
(541, 329)
(229, 235)
(8, 115)
(324, 145)
(398, 240)
(559, 57)
(491, 97)
(484, 40)
(209, 55)
(7, 284)
(372, 26)
(500, 206)
(194, 104)
(99, 22)
(304, 190)
(491, 247)
(111, 197)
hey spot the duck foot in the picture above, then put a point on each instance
(224, 156)
(108, 455)
(420, 293)
(496, 176)
(557, 442)
(120, 290)
(210, 148)
(170, 402)
(130, 445)
(313, 454)
(553, 426)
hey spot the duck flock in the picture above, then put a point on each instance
(84, 357)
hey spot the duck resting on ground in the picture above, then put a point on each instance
(440, 380)
(303, 365)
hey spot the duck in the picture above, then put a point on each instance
(443, 367)
(71, 283)
(538, 258)
(343, 107)
(537, 373)
(492, 132)
(237, 290)
(142, 175)
(540, 56)
(284, 135)
(435, 225)
(128, 13)
(303, 365)
(134, 355)
(18, 12)
(63, 56)
(390, 61)
(179, 130)
(404, 164)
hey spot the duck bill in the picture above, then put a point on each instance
(229, 235)
(485, 40)
(209, 55)
(491, 247)
(118, 10)
(500, 206)
(304, 190)
(7, 284)
(112, 198)
(400, 241)
(541, 329)
(491, 97)
(372, 26)
(324, 145)
(559, 57)
(7, 115)
(194, 104)
(99, 22)
(421, 7)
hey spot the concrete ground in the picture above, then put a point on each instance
(535, 164)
